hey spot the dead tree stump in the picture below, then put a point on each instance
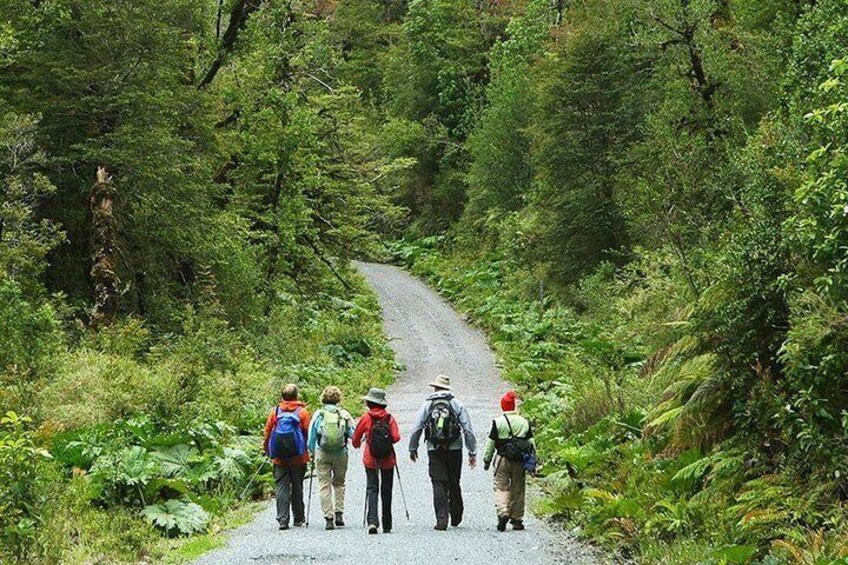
(104, 277)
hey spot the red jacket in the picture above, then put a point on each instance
(363, 431)
(289, 406)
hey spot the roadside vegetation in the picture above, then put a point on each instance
(133, 438)
(652, 235)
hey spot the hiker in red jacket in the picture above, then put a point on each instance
(289, 472)
(380, 430)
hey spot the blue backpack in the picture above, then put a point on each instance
(287, 440)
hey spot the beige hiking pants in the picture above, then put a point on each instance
(332, 469)
(510, 481)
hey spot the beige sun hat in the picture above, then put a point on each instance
(442, 381)
(376, 395)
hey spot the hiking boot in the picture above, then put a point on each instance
(372, 529)
(299, 523)
(330, 525)
(440, 527)
(284, 527)
(387, 530)
(502, 521)
(517, 525)
(339, 520)
(456, 523)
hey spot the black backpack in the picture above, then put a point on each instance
(380, 439)
(514, 448)
(442, 423)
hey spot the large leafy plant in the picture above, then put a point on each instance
(177, 517)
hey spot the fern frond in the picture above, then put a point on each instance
(666, 419)
(793, 550)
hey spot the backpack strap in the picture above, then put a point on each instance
(511, 433)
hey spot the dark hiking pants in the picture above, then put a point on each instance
(380, 481)
(445, 473)
(289, 481)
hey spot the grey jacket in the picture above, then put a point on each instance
(464, 422)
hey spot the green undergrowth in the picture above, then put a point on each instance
(585, 361)
(137, 445)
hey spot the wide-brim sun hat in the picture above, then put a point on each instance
(376, 396)
(442, 381)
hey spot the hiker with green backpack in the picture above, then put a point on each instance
(332, 427)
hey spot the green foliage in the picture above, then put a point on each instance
(25, 240)
(587, 109)
(615, 425)
(30, 342)
(177, 516)
(434, 77)
(361, 30)
(500, 172)
(21, 492)
(655, 242)
(641, 201)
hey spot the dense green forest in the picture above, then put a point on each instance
(643, 202)
(183, 183)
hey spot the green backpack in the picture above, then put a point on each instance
(333, 432)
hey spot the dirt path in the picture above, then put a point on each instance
(429, 337)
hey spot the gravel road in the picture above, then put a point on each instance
(429, 338)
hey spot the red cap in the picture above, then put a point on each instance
(508, 402)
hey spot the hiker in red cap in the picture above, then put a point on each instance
(511, 437)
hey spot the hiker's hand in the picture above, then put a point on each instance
(413, 455)
(472, 461)
(486, 465)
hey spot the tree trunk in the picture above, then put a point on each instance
(240, 12)
(104, 235)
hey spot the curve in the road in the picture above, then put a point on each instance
(429, 338)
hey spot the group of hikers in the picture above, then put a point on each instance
(294, 437)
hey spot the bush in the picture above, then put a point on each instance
(30, 341)
(95, 388)
(21, 488)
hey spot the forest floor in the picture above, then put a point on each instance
(429, 338)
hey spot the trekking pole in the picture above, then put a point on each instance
(256, 474)
(402, 495)
(309, 503)
(365, 512)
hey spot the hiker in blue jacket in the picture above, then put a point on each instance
(286, 445)
(445, 422)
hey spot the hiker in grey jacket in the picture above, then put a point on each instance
(446, 423)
